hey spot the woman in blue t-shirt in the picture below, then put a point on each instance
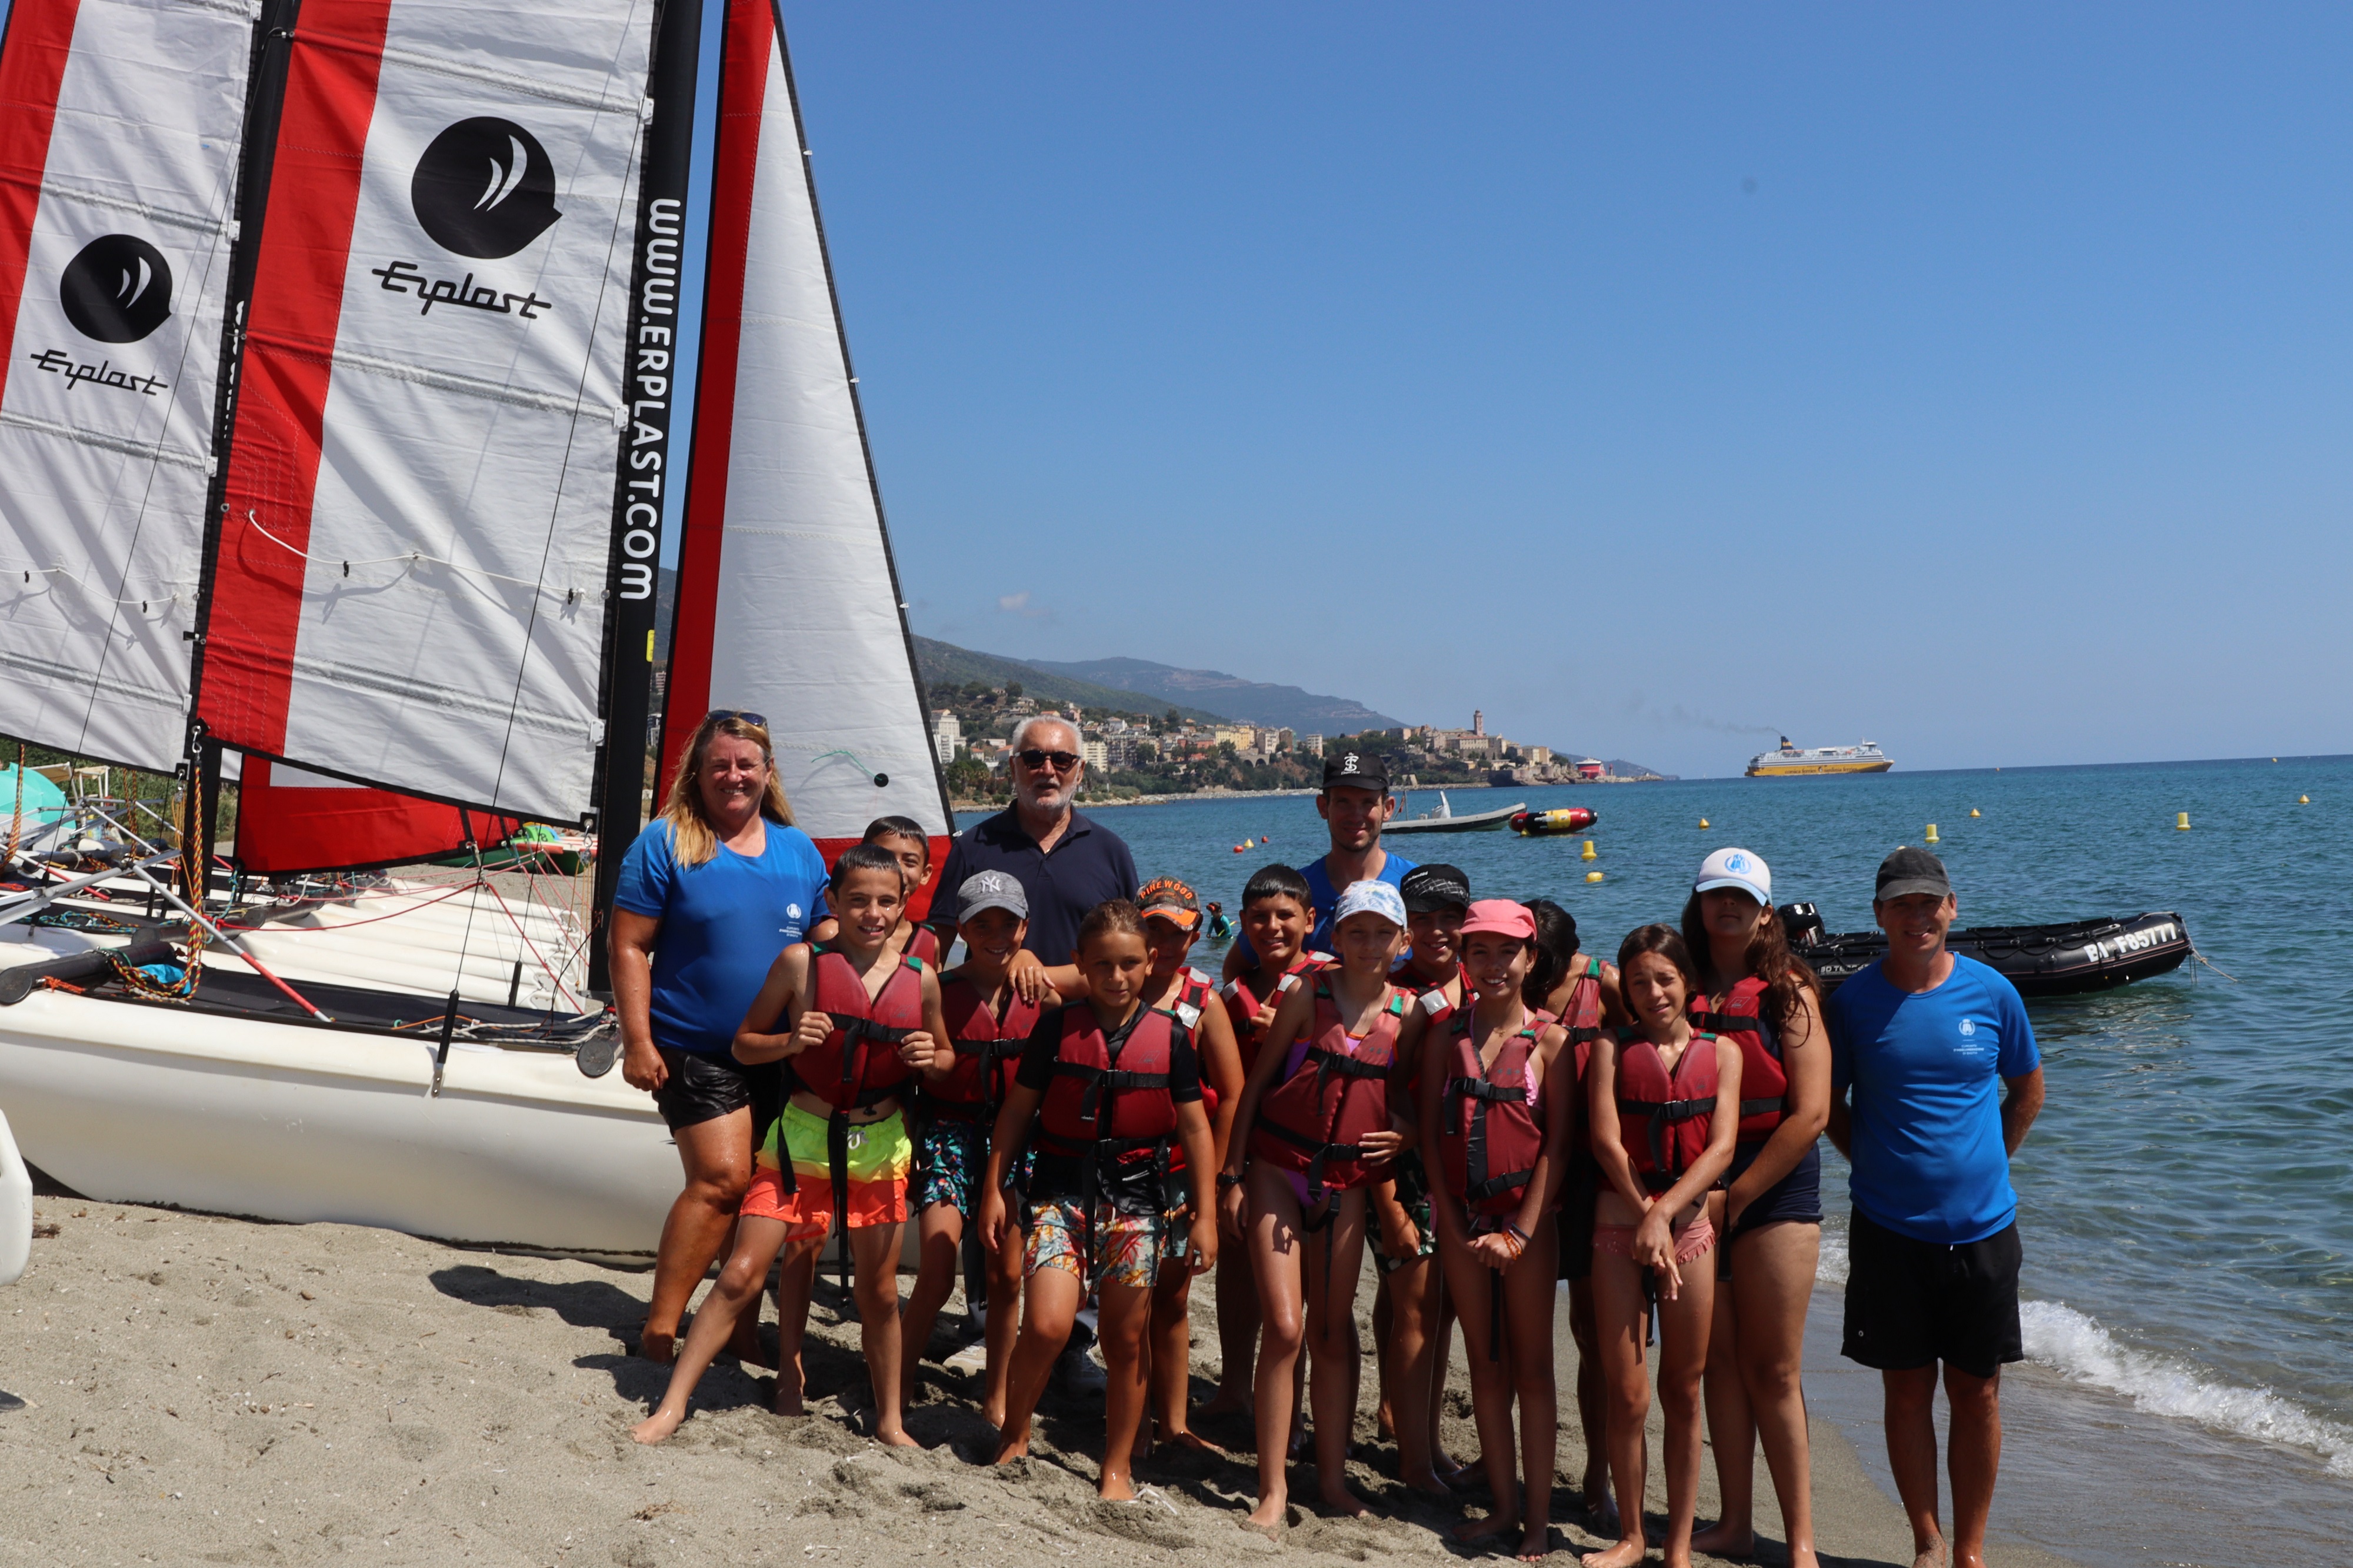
(714, 888)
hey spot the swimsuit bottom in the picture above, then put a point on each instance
(1618, 1240)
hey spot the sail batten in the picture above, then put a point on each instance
(410, 584)
(120, 132)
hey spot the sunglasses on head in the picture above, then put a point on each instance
(1063, 761)
(719, 715)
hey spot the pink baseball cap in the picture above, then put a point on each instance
(1501, 916)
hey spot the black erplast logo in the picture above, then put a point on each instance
(117, 289)
(484, 188)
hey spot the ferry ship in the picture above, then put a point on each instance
(1793, 762)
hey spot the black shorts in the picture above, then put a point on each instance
(1796, 1197)
(705, 1086)
(1913, 1303)
(1579, 1191)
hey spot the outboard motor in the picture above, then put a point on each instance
(1801, 923)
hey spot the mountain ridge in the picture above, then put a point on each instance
(1251, 701)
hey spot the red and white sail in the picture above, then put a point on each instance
(409, 587)
(121, 122)
(787, 600)
(289, 820)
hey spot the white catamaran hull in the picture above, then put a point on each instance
(285, 1122)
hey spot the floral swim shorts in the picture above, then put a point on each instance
(1128, 1248)
(951, 1158)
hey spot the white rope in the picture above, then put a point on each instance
(74, 576)
(413, 558)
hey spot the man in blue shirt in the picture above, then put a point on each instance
(1065, 863)
(1918, 1042)
(1356, 802)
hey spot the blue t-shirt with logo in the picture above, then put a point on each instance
(1927, 1073)
(722, 924)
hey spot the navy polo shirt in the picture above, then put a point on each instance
(1089, 865)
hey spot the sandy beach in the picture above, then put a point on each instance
(202, 1389)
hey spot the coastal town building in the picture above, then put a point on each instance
(948, 734)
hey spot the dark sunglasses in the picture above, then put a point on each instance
(1031, 757)
(717, 715)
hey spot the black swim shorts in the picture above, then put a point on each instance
(705, 1086)
(1796, 1197)
(1913, 1303)
(1580, 1189)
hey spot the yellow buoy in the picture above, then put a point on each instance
(2304, 800)
(1588, 853)
(1703, 822)
(1931, 832)
(1593, 876)
(1973, 811)
(2181, 822)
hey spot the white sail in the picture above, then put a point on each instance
(119, 128)
(788, 604)
(409, 589)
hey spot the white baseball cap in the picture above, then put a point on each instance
(1380, 898)
(1738, 868)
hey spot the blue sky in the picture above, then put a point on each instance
(1655, 378)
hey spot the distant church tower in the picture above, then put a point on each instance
(1478, 721)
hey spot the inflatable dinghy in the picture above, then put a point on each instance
(2071, 958)
(1562, 819)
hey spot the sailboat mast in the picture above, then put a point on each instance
(858, 408)
(650, 466)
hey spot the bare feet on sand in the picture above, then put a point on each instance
(656, 1427)
(1269, 1517)
(1932, 1555)
(1012, 1444)
(1425, 1483)
(1723, 1540)
(1114, 1487)
(659, 1349)
(896, 1437)
(1487, 1528)
(1225, 1405)
(1625, 1555)
(1344, 1502)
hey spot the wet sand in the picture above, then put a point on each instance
(200, 1389)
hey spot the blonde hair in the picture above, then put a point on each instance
(693, 842)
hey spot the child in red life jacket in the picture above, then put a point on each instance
(1497, 1085)
(1583, 994)
(1665, 1108)
(1114, 1087)
(904, 838)
(863, 1024)
(1316, 1128)
(1412, 1321)
(988, 1022)
(1277, 914)
(1172, 923)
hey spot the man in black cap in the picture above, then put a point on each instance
(1918, 1041)
(1355, 804)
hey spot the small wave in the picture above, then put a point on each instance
(1831, 1269)
(2078, 1349)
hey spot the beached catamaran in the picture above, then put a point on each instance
(346, 402)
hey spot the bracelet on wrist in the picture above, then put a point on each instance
(1227, 1179)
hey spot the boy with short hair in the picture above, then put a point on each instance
(987, 1021)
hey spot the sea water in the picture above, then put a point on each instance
(2187, 1197)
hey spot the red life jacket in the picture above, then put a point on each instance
(1663, 1118)
(924, 944)
(1317, 1120)
(1241, 1011)
(1582, 1018)
(1764, 1078)
(988, 1051)
(1488, 1134)
(859, 1063)
(1109, 1117)
(1194, 995)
